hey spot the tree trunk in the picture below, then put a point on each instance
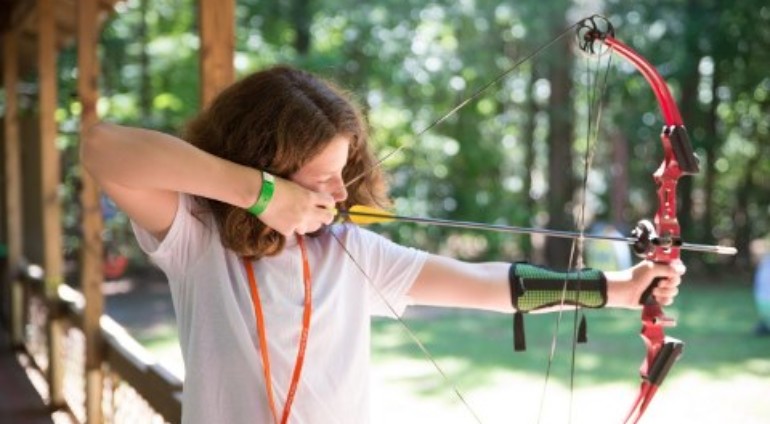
(301, 16)
(689, 106)
(711, 148)
(145, 96)
(619, 188)
(528, 143)
(561, 181)
(741, 215)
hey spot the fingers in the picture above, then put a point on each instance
(325, 208)
(295, 209)
(665, 295)
(320, 212)
(629, 288)
(668, 278)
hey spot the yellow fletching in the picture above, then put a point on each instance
(365, 215)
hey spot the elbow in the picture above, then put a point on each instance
(91, 145)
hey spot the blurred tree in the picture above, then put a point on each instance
(511, 155)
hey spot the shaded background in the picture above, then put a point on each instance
(513, 156)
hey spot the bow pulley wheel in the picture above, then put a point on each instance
(591, 32)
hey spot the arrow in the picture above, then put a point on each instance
(367, 215)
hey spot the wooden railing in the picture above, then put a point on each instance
(90, 367)
(135, 387)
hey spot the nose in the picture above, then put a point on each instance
(340, 192)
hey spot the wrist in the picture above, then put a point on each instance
(619, 288)
(266, 192)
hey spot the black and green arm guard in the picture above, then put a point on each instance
(533, 288)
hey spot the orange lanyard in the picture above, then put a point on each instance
(263, 336)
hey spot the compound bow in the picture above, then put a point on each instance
(658, 241)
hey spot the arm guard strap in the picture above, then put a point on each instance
(534, 288)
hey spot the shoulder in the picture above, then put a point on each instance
(192, 231)
(351, 235)
(357, 242)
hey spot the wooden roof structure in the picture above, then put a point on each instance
(21, 16)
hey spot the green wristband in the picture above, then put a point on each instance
(265, 194)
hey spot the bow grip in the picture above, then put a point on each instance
(652, 310)
(647, 298)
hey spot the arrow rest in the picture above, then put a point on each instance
(647, 239)
(643, 233)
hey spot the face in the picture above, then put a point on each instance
(323, 173)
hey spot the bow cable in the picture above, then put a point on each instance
(576, 257)
(465, 101)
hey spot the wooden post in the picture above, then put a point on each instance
(217, 30)
(13, 204)
(91, 277)
(50, 177)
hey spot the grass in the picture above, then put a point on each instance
(724, 375)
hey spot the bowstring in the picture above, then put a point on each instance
(596, 90)
(464, 102)
(595, 105)
(409, 331)
(430, 126)
(595, 101)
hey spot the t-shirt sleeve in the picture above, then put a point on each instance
(188, 236)
(391, 270)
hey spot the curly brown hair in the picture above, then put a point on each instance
(276, 120)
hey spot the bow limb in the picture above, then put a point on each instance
(678, 160)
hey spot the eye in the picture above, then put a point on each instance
(326, 181)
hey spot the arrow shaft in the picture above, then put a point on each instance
(721, 250)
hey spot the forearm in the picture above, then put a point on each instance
(620, 289)
(448, 282)
(590, 288)
(141, 159)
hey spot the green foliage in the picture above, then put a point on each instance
(150, 64)
(410, 62)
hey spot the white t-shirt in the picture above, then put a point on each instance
(224, 380)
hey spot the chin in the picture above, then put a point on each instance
(318, 232)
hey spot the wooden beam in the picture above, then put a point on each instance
(217, 30)
(13, 201)
(91, 276)
(22, 14)
(151, 381)
(50, 178)
(12, 158)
